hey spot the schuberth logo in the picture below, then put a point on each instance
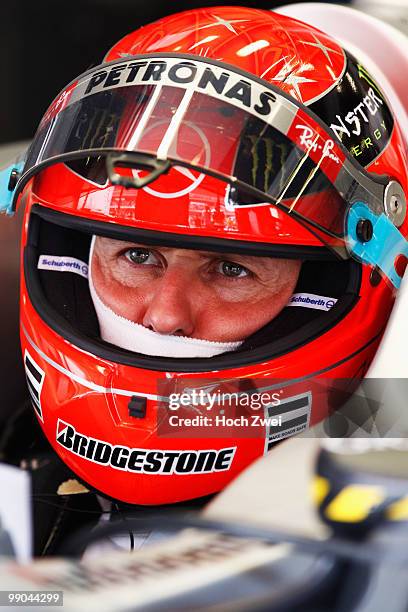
(140, 460)
(63, 264)
(311, 300)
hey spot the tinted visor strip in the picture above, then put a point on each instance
(151, 237)
(282, 124)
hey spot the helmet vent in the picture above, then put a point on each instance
(137, 407)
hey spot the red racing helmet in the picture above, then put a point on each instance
(226, 130)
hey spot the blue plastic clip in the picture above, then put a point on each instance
(7, 193)
(386, 244)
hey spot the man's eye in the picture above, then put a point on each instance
(232, 270)
(140, 256)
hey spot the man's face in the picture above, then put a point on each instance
(199, 294)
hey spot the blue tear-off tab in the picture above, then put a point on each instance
(6, 195)
(384, 247)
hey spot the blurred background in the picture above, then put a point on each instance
(47, 43)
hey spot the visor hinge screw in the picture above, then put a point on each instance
(375, 276)
(13, 180)
(364, 230)
(395, 204)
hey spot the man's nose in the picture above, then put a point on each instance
(170, 305)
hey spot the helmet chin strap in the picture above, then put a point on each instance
(137, 338)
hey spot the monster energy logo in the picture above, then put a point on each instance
(268, 161)
(96, 128)
(363, 122)
(352, 122)
(363, 74)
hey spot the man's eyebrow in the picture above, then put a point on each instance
(217, 254)
(260, 260)
(240, 255)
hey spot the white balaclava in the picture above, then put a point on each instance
(134, 337)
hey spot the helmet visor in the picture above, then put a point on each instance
(208, 117)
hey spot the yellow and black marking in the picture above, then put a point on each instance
(354, 501)
(365, 75)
